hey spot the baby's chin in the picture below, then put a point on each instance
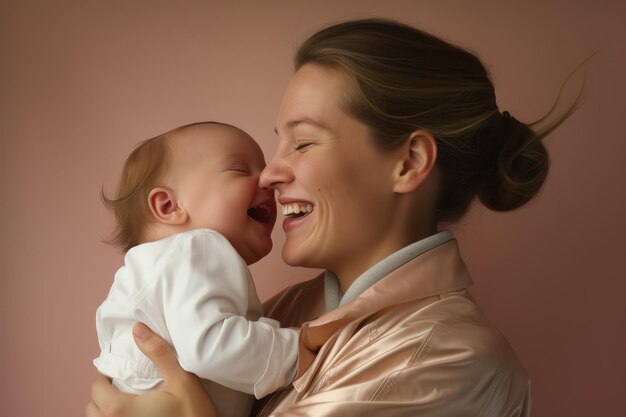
(259, 253)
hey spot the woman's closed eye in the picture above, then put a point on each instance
(302, 146)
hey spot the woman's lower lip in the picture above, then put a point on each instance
(290, 223)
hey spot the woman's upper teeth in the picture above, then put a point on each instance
(297, 208)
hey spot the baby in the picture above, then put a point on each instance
(191, 217)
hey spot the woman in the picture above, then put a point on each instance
(385, 132)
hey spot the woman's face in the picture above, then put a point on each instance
(334, 185)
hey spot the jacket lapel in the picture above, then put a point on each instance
(438, 271)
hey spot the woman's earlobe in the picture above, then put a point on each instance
(164, 206)
(418, 158)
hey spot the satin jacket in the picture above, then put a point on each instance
(413, 344)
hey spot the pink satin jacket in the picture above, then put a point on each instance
(413, 344)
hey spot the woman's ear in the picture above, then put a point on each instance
(418, 158)
(164, 206)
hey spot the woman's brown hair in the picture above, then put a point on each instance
(405, 80)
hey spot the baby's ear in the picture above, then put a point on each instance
(164, 206)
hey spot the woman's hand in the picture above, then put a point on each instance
(182, 395)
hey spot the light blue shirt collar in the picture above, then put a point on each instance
(332, 290)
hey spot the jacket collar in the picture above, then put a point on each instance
(434, 272)
(332, 290)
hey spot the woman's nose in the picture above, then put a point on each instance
(276, 172)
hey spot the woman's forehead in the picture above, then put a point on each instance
(312, 98)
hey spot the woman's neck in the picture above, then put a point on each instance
(348, 272)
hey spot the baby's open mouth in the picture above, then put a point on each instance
(264, 213)
(295, 210)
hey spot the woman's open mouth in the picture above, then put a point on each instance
(296, 213)
(297, 210)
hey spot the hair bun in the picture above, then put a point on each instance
(522, 167)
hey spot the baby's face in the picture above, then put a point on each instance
(217, 172)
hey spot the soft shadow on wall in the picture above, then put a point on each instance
(84, 82)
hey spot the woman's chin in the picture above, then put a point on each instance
(293, 257)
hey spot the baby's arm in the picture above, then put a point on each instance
(206, 299)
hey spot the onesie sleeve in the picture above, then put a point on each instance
(206, 296)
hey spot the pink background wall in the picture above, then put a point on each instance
(82, 82)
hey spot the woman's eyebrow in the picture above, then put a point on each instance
(305, 120)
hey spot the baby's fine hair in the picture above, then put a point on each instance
(143, 170)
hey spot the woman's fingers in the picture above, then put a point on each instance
(101, 391)
(158, 351)
(106, 400)
(183, 395)
(92, 410)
